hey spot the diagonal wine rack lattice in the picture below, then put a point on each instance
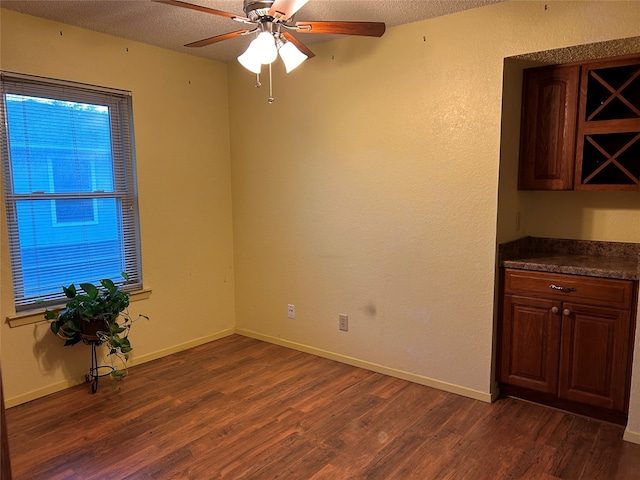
(611, 127)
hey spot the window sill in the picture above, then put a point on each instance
(36, 316)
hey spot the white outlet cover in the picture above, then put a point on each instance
(343, 322)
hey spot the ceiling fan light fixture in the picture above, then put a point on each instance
(291, 56)
(261, 51)
(250, 61)
(264, 48)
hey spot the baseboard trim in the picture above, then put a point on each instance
(42, 392)
(392, 372)
(56, 387)
(182, 346)
(633, 437)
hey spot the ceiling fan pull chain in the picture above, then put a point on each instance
(258, 84)
(270, 99)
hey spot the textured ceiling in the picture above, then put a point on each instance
(581, 53)
(171, 27)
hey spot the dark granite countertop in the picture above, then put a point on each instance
(573, 257)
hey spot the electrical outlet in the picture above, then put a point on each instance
(343, 322)
(291, 311)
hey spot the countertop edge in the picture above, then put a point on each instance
(613, 260)
(570, 270)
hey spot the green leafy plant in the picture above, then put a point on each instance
(98, 314)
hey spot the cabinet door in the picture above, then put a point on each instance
(594, 356)
(547, 139)
(530, 343)
(608, 146)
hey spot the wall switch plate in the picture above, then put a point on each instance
(343, 322)
(291, 311)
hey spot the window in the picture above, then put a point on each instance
(64, 176)
(69, 186)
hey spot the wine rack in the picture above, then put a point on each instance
(608, 137)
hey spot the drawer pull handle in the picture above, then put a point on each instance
(554, 310)
(566, 312)
(562, 289)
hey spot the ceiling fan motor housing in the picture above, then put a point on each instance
(257, 10)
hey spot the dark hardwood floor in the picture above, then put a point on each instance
(239, 408)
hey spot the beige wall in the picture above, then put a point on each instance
(182, 143)
(370, 188)
(587, 215)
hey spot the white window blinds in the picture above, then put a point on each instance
(69, 185)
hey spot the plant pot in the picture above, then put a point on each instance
(66, 333)
(89, 329)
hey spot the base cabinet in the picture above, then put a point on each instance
(530, 343)
(594, 356)
(567, 340)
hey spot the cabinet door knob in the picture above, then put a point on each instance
(566, 312)
(554, 310)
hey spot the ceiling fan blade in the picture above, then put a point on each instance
(284, 9)
(300, 46)
(217, 38)
(368, 29)
(177, 3)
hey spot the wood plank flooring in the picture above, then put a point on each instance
(238, 408)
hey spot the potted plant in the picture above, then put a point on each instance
(98, 315)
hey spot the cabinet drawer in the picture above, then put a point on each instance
(589, 290)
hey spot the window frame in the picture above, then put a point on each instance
(123, 166)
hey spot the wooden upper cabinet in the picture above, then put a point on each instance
(581, 126)
(608, 132)
(549, 104)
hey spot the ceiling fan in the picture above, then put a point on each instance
(272, 22)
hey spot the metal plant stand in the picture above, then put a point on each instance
(94, 373)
